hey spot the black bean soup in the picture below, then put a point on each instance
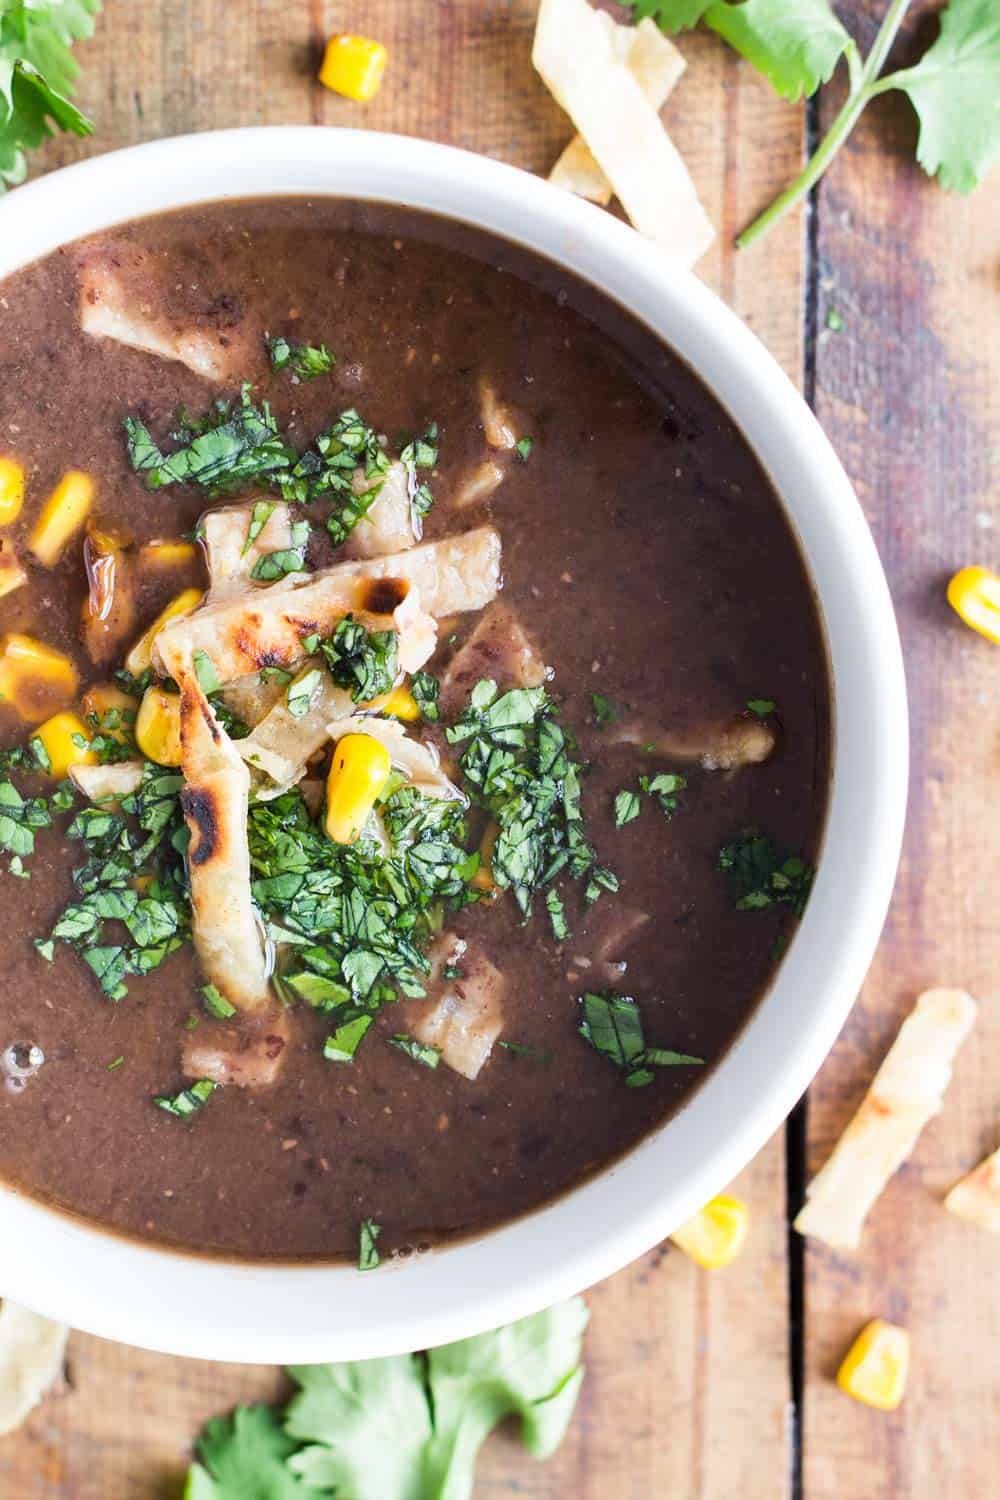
(647, 777)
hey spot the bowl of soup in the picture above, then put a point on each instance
(454, 745)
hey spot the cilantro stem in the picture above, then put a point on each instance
(864, 87)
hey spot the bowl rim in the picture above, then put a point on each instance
(226, 1310)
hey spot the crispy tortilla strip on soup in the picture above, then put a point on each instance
(215, 796)
(248, 633)
(906, 1092)
(414, 796)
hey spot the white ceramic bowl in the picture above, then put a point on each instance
(221, 1310)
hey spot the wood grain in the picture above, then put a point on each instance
(687, 1395)
(910, 395)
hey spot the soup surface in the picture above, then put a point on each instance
(652, 605)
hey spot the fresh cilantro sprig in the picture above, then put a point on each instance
(664, 786)
(407, 1427)
(954, 87)
(37, 76)
(365, 661)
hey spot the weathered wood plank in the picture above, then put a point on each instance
(910, 394)
(687, 1393)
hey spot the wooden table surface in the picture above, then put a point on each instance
(700, 1386)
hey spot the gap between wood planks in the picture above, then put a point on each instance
(797, 1125)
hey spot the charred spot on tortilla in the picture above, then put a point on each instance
(381, 596)
(200, 806)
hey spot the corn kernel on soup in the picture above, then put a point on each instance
(415, 726)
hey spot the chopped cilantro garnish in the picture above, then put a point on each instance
(216, 1003)
(664, 786)
(605, 711)
(204, 670)
(521, 1049)
(613, 1027)
(304, 360)
(292, 559)
(115, 1062)
(262, 512)
(425, 690)
(762, 876)
(19, 817)
(557, 914)
(761, 706)
(418, 1052)
(341, 1046)
(368, 1256)
(516, 764)
(302, 692)
(189, 1101)
(422, 452)
(363, 660)
(523, 448)
(834, 320)
(230, 448)
(627, 808)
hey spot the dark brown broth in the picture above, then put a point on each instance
(647, 555)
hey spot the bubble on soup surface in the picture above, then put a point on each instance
(19, 1062)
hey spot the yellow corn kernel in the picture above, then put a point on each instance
(66, 742)
(359, 770)
(34, 678)
(12, 575)
(104, 700)
(158, 726)
(167, 552)
(353, 66)
(11, 490)
(483, 879)
(62, 516)
(876, 1366)
(141, 655)
(717, 1234)
(400, 704)
(974, 593)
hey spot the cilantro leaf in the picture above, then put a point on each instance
(613, 1027)
(762, 877)
(245, 1458)
(304, 360)
(671, 15)
(797, 44)
(363, 660)
(955, 89)
(627, 807)
(37, 75)
(528, 1369)
(366, 1426)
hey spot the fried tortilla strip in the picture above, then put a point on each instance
(224, 533)
(741, 741)
(32, 1350)
(250, 699)
(250, 1056)
(388, 526)
(282, 745)
(977, 1197)
(906, 1092)
(576, 59)
(657, 67)
(215, 798)
(461, 1017)
(108, 783)
(111, 307)
(498, 648)
(266, 628)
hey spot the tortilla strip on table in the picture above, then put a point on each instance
(32, 1350)
(215, 799)
(657, 67)
(621, 127)
(266, 628)
(976, 1198)
(906, 1092)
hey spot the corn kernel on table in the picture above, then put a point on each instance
(884, 304)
